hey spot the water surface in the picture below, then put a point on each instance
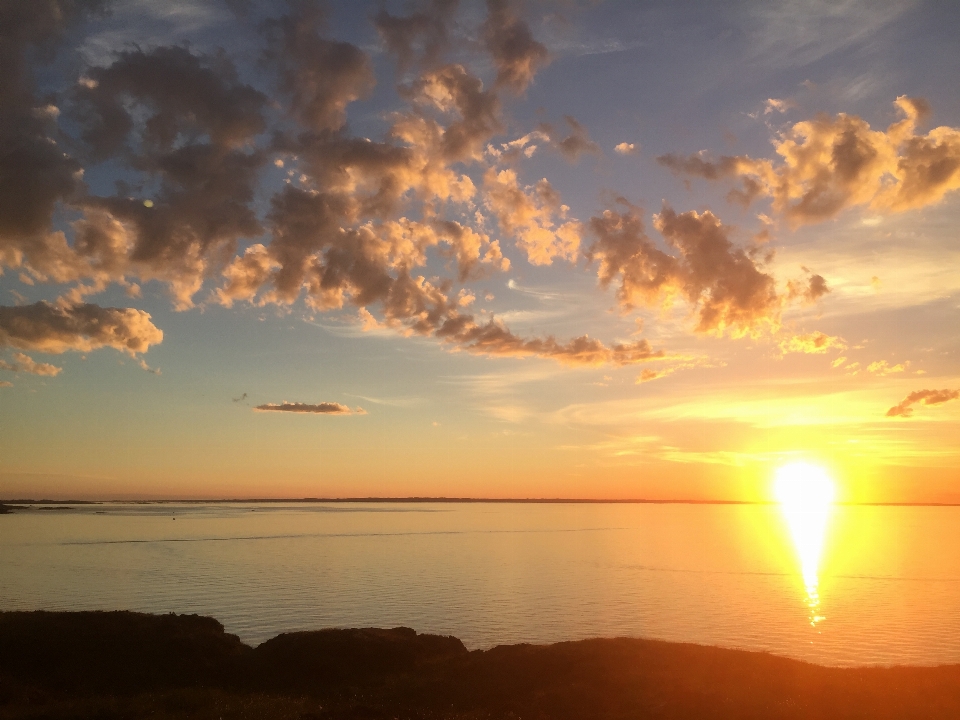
(888, 590)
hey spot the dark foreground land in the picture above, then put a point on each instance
(128, 665)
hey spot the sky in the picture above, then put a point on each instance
(609, 250)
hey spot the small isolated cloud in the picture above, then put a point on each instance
(323, 408)
(4, 383)
(882, 368)
(924, 397)
(808, 290)
(240, 399)
(777, 105)
(647, 375)
(25, 363)
(626, 148)
(812, 343)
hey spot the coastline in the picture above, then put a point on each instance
(124, 664)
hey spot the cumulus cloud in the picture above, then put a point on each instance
(829, 164)
(37, 173)
(321, 76)
(723, 284)
(627, 148)
(533, 215)
(25, 363)
(323, 408)
(516, 56)
(925, 397)
(813, 343)
(55, 329)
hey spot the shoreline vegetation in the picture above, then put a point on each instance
(108, 665)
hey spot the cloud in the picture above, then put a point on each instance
(777, 105)
(531, 215)
(37, 172)
(320, 76)
(25, 363)
(723, 284)
(809, 290)
(813, 343)
(324, 408)
(626, 148)
(829, 164)
(883, 368)
(423, 30)
(55, 329)
(516, 56)
(925, 397)
(575, 144)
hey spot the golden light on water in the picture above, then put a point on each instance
(805, 493)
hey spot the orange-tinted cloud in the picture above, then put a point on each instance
(812, 343)
(833, 163)
(723, 284)
(926, 397)
(56, 329)
(324, 408)
(883, 368)
(533, 215)
(25, 363)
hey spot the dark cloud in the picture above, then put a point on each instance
(926, 397)
(35, 172)
(324, 408)
(422, 35)
(55, 329)
(320, 76)
(573, 145)
(516, 55)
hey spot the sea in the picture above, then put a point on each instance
(884, 590)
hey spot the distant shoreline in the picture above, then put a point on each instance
(451, 500)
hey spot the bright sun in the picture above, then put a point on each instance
(805, 493)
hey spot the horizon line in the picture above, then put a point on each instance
(465, 500)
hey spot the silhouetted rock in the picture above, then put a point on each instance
(129, 665)
(306, 661)
(117, 652)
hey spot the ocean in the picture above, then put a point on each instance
(886, 590)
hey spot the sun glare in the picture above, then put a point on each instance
(805, 493)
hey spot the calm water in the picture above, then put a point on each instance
(889, 579)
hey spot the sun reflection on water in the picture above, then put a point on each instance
(805, 494)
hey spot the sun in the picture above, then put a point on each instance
(805, 493)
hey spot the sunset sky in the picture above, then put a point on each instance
(542, 249)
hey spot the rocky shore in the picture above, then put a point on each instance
(109, 665)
